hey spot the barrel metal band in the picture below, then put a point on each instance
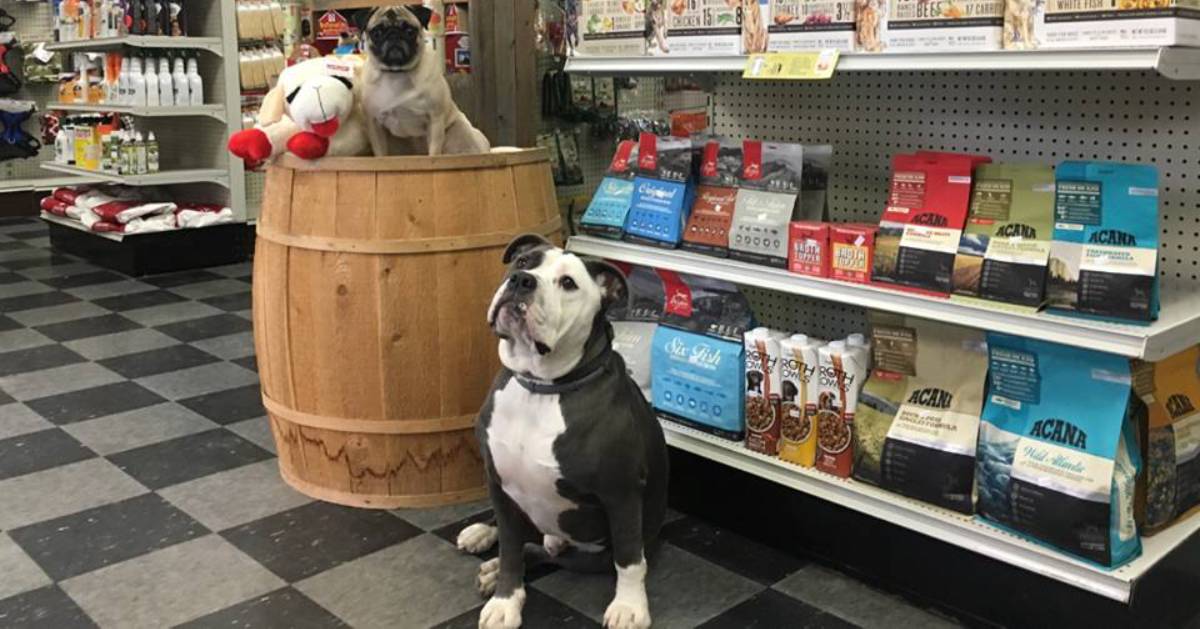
(402, 246)
(369, 426)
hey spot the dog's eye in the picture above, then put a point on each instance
(521, 262)
(567, 283)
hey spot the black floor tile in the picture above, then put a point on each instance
(770, 609)
(307, 540)
(185, 458)
(83, 279)
(81, 542)
(5, 398)
(230, 303)
(731, 551)
(84, 328)
(37, 451)
(205, 327)
(231, 405)
(133, 301)
(35, 358)
(44, 608)
(78, 406)
(45, 259)
(40, 300)
(285, 607)
(156, 361)
(29, 235)
(7, 324)
(11, 278)
(249, 362)
(13, 245)
(249, 279)
(179, 279)
(17, 220)
(540, 610)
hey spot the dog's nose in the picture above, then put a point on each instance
(523, 282)
(390, 14)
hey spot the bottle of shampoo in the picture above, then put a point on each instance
(166, 93)
(151, 78)
(137, 84)
(180, 81)
(195, 83)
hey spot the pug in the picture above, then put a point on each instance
(405, 97)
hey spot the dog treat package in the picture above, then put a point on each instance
(634, 323)
(762, 390)
(707, 28)
(1104, 256)
(851, 251)
(1005, 248)
(662, 191)
(611, 28)
(966, 25)
(799, 391)
(871, 25)
(811, 25)
(605, 215)
(756, 20)
(697, 359)
(707, 228)
(1102, 23)
(1169, 438)
(918, 414)
(841, 371)
(808, 248)
(766, 202)
(1058, 457)
(923, 221)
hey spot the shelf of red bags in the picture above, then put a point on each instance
(1177, 327)
(162, 177)
(941, 524)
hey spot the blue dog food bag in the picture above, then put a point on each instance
(662, 191)
(1058, 454)
(605, 215)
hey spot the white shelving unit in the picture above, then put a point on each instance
(210, 44)
(216, 111)
(161, 178)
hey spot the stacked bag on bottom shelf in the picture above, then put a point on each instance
(1058, 455)
(1170, 438)
(918, 415)
(634, 324)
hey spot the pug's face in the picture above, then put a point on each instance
(394, 37)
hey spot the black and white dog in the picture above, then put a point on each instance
(576, 461)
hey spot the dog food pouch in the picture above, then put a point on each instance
(1170, 438)
(1058, 456)
(799, 392)
(962, 25)
(840, 375)
(605, 215)
(808, 248)
(803, 25)
(1104, 256)
(701, 28)
(610, 28)
(918, 418)
(851, 252)
(662, 191)
(766, 202)
(1005, 248)
(634, 323)
(707, 229)
(762, 390)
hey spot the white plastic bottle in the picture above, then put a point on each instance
(179, 79)
(62, 147)
(151, 78)
(195, 83)
(166, 93)
(151, 153)
(137, 84)
(123, 95)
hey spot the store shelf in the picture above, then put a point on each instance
(189, 175)
(214, 111)
(1173, 63)
(941, 524)
(76, 225)
(1177, 328)
(209, 44)
(27, 184)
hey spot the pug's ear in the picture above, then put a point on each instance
(521, 244)
(423, 14)
(611, 280)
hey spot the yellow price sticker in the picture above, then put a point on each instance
(807, 65)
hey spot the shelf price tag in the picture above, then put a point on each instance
(802, 66)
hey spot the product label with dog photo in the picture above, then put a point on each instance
(762, 390)
(811, 25)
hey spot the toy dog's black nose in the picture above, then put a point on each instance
(523, 282)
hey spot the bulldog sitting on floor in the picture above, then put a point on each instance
(576, 460)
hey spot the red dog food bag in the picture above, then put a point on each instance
(707, 229)
(851, 250)
(808, 248)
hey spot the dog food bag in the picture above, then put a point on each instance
(811, 25)
(762, 390)
(766, 202)
(605, 215)
(1104, 256)
(851, 251)
(923, 221)
(1005, 248)
(799, 392)
(918, 414)
(840, 374)
(1169, 438)
(958, 25)
(1058, 457)
(707, 228)
(611, 28)
(1104, 24)
(662, 191)
(634, 322)
(700, 28)
(808, 248)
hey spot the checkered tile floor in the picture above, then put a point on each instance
(138, 488)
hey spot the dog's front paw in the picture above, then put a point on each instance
(488, 571)
(503, 613)
(477, 538)
(626, 614)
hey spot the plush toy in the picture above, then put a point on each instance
(313, 111)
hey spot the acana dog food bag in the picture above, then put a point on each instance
(1058, 458)
(1170, 438)
(918, 414)
(766, 202)
(605, 215)
(799, 392)
(1104, 257)
(707, 228)
(762, 390)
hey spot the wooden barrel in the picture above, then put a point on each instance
(372, 278)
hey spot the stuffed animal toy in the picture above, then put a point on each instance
(313, 111)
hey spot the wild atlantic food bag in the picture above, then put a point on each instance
(918, 414)
(1058, 457)
(1170, 438)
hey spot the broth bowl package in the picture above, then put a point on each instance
(799, 391)
(1170, 438)
(662, 191)
(762, 390)
(707, 228)
(766, 202)
(1058, 457)
(1104, 257)
(605, 215)
(918, 414)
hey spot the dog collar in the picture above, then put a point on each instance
(595, 363)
